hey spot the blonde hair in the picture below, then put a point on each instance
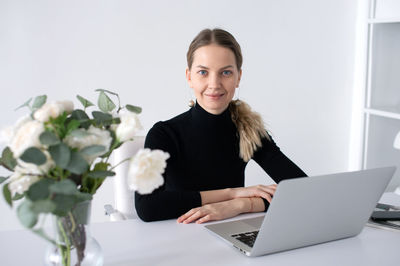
(250, 127)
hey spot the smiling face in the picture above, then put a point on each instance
(213, 77)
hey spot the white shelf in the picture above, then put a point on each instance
(382, 113)
(383, 20)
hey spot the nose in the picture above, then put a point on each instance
(214, 81)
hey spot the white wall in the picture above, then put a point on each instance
(297, 72)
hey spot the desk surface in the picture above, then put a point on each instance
(133, 242)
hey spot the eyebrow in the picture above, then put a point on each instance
(201, 66)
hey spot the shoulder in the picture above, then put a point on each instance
(166, 132)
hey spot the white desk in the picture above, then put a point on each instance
(134, 242)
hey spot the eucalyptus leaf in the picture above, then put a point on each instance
(79, 133)
(64, 187)
(26, 215)
(43, 206)
(2, 179)
(39, 101)
(86, 103)
(83, 197)
(40, 190)
(101, 174)
(63, 203)
(7, 159)
(48, 138)
(33, 155)
(133, 108)
(102, 118)
(105, 103)
(7, 195)
(61, 154)
(110, 92)
(82, 117)
(93, 150)
(77, 164)
(25, 104)
(17, 196)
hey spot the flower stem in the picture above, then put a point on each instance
(67, 250)
(127, 159)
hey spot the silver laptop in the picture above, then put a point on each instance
(309, 211)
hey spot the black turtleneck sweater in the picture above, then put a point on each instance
(204, 155)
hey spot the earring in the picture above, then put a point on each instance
(191, 103)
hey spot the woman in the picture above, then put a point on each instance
(210, 144)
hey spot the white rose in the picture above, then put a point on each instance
(53, 109)
(22, 179)
(96, 136)
(7, 133)
(27, 135)
(146, 169)
(129, 126)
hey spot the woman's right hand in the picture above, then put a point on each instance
(262, 191)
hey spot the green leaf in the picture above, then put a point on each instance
(86, 103)
(133, 109)
(7, 159)
(77, 164)
(72, 125)
(101, 174)
(110, 92)
(105, 103)
(39, 101)
(63, 203)
(61, 154)
(33, 155)
(93, 149)
(82, 117)
(26, 215)
(43, 206)
(7, 195)
(102, 118)
(18, 196)
(48, 138)
(79, 133)
(81, 196)
(64, 187)
(2, 179)
(25, 104)
(39, 190)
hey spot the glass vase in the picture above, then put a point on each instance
(73, 245)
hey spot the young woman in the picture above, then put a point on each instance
(210, 144)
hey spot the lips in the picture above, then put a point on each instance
(215, 96)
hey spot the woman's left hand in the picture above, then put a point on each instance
(214, 211)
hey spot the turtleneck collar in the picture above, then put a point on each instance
(199, 113)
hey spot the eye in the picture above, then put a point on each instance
(202, 72)
(226, 72)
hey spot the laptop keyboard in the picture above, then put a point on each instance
(248, 238)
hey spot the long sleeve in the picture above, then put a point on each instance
(165, 203)
(275, 163)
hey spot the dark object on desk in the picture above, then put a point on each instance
(386, 216)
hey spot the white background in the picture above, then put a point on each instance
(298, 71)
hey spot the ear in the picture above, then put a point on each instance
(188, 77)
(240, 76)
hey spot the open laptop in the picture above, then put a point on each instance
(309, 211)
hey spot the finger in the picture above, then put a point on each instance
(186, 215)
(197, 215)
(269, 198)
(204, 219)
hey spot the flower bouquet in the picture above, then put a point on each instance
(59, 156)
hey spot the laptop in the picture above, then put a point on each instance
(309, 211)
